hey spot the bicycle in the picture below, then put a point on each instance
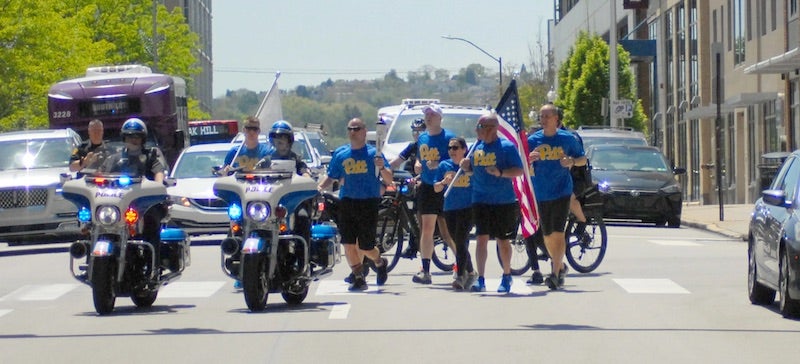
(584, 253)
(397, 219)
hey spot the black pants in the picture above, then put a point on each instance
(459, 222)
(531, 244)
(152, 228)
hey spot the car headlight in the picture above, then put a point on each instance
(258, 211)
(180, 200)
(604, 187)
(670, 189)
(107, 215)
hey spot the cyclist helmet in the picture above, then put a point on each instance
(281, 127)
(134, 127)
(418, 123)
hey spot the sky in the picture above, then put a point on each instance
(310, 41)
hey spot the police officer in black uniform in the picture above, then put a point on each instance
(84, 155)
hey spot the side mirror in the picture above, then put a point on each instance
(180, 139)
(325, 159)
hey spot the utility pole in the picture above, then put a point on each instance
(612, 60)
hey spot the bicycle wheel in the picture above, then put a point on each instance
(519, 255)
(444, 257)
(585, 253)
(389, 236)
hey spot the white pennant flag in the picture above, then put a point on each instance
(270, 109)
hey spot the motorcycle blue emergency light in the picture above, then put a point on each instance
(124, 181)
(235, 212)
(404, 189)
(84, 215)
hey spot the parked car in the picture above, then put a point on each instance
(31, 205)
(596, 135)
(195, 208)
(773, 245)
(637, 183)
(461, 120)
(320, 145)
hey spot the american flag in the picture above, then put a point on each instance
(511, 128)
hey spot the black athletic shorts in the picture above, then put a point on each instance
(497, 221)
(553, 215)
(358, 221)
(428, 201)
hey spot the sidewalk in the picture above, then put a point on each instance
(735, 224)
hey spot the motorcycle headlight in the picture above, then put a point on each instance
(258, 211)
(670, 189)
(107, 215)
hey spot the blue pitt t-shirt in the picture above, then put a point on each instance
(357, 167)
(551, 181)
(461, 195)
(487, 188)
(247, 158)
(433, 148)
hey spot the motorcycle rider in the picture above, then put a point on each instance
(281, 136)
(138, 160)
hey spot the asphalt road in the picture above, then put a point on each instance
(661, 295)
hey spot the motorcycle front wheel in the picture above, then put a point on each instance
(295, 298)
(255, 282)
(144, 298)
(103, 271)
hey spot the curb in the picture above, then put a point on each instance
(715, 229)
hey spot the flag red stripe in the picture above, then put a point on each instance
(522, 184)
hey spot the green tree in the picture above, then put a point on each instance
(46, 41)
(583, 81)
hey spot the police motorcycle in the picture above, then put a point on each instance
(115, 259)
(272, 245)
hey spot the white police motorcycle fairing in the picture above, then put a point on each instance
(115, 259)
(271, 246)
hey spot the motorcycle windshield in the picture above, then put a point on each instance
(111, 159)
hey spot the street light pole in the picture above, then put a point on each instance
(499, 60)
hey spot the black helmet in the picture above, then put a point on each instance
(418, 123)
(134, 127)
(281, 127)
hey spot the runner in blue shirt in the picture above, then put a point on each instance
(553, 152)
(432, 151)
(247, 154)
(458, 209)
(360, 196)
(494, 162)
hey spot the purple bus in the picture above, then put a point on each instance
(115, 93)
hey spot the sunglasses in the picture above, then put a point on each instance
(485, 126)
(251, 128)
(354, 128)
(453, 147)
(417, 130)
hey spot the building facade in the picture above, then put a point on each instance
(198, 16)
(743, 53)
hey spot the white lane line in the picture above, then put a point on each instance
(3, 312)
(651, 286)
(339, 312)
(42, 292)
(190, 289)
(675, 243)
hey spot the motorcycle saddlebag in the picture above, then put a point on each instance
(175, 247)
(323, 245)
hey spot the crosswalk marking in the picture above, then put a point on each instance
(651, 286)
(3, 312)
(339, 312)
(675, 242)
(190, 289)
(43, 292)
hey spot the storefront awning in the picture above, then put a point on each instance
(750, 98)
(705, 112)
(782, 63)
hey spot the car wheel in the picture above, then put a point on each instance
(661, 222)
(674, 222)
(757, 292)
(789, 307)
